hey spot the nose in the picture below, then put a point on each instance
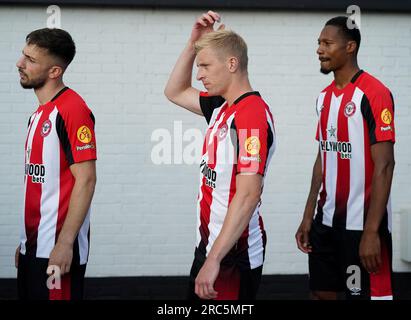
(320, 50)
(199, 74)
(20, 63)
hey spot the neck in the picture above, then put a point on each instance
(237, 89)
(344, 75)
(48, 91)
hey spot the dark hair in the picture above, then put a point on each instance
(352, 33)
(57, 42)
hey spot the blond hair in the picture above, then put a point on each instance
(226, 42)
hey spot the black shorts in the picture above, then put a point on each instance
(334, 264)
(232, 283)
(34, 283)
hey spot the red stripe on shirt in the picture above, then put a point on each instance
(343, 165)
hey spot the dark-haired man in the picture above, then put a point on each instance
(60, 174)
(349, 241)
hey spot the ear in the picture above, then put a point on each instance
(55, 72)
(233, 64)
(351, 46)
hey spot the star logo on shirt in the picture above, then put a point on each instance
(331, 131)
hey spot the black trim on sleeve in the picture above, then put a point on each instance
(59, 93)
(270, 141)
(393, 104)
(64, 139)
(208, 104)
(234, 140)
(92, 118)
(369, 118)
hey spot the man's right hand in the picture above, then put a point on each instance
(302, 236)
(16, 257)
(205, 24)
(179, 89)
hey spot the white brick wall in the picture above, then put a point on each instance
(143, 219)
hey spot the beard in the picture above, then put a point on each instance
(32, 83)
(325, 71)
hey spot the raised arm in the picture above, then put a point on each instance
(179, 89)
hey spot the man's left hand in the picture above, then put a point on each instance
(370, 251)
(204, 284)
(62, 256)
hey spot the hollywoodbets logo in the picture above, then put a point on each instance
(343, 148)
(209, 174)
(37, 172)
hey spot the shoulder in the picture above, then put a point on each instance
(252, 104)
(254, 108)
(372, 87)
(71, 102)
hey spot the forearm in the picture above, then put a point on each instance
(180, 77)
(380, 191)
(237, 218)
(316, 182)
(79, 205)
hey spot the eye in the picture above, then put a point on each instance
(29, 59)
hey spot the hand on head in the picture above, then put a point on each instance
(204, 24)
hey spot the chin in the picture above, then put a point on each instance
(325, 71)
(211, 92)
(33, 84)
(25, 85)
(215, 92)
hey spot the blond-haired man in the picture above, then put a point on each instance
(238, 146)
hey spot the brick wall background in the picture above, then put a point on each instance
(143, 220)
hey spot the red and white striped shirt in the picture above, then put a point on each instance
(60, 133)
(350, 121)
(240, 139)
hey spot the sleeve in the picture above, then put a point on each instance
(209, 103)
(318, 110)
(75, 129)
(254, 140)
(378, 111)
